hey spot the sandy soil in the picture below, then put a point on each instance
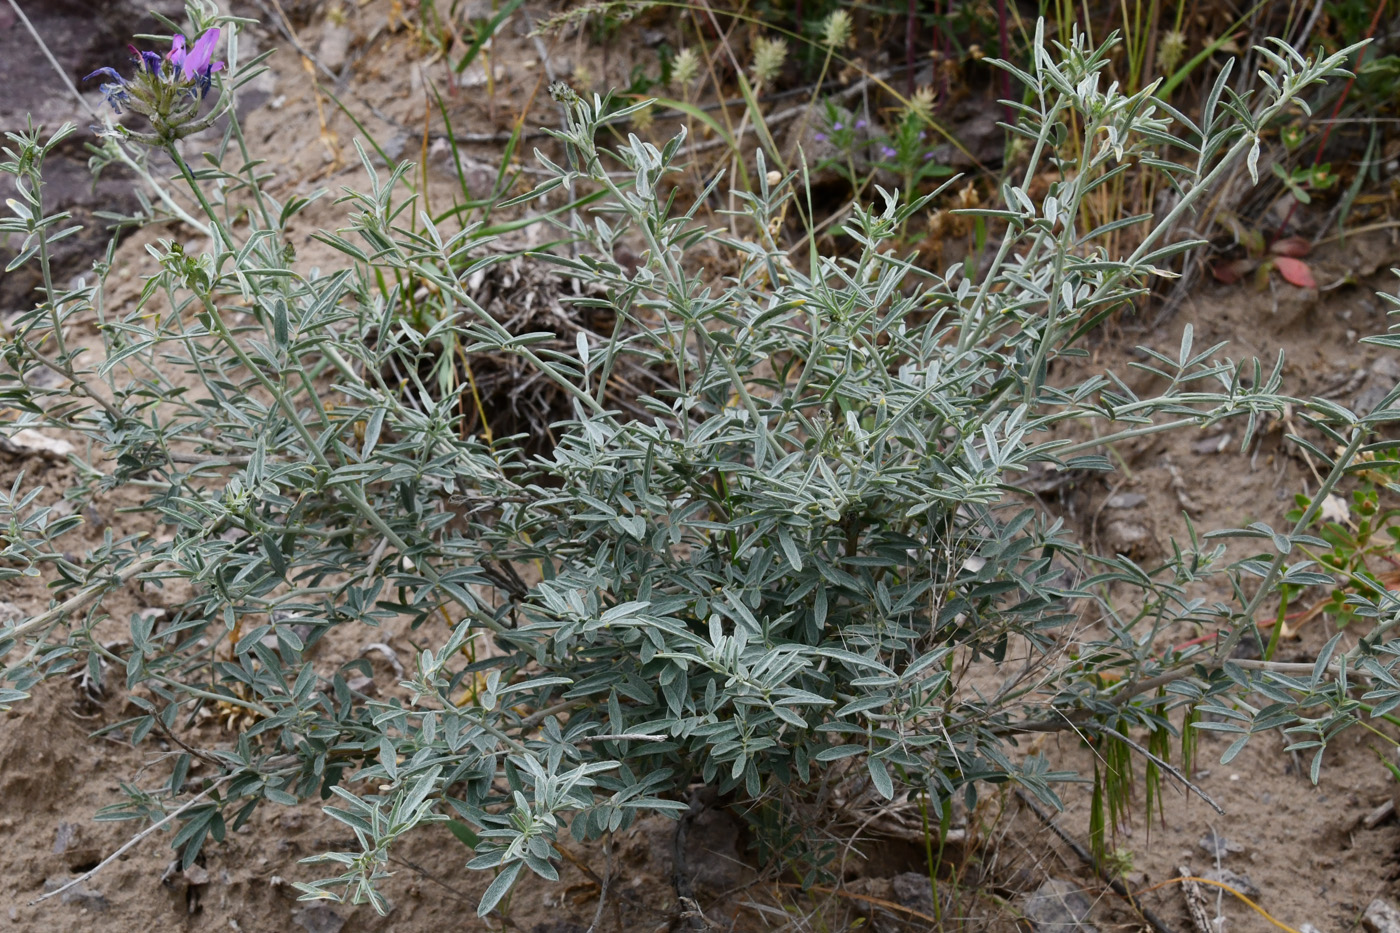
(1305, 853)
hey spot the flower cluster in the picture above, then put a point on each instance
(167, 90)
(903, 150)
(906, 152)
(838, 128)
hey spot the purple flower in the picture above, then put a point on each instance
(861, 124)
(196, 64)
(837, 126)
(109, 73)
(114, 90)
(887, 153)
(819, 137)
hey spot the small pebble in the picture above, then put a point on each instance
(1381, 917)
(1217, 846)
(1241, 883)
(1058, 906)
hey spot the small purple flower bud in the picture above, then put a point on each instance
(145, 61)
(928, 155)
(861, 124)
(887, 153)
(819, 137)
(837, 126)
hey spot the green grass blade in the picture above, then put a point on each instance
(700, 116)
(482, 36)
(1184, 72)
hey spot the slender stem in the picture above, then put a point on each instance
(79, 600)
(175, 208)
(1138, 688)
(173, 684)
(974, 322)
(133, 841)
(1052, 315)
(198, 192)
(1266, 588)
(1124, 435)
(676, 279)
(43, 47)
(77, 384)
(252, 171)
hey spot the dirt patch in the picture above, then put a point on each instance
(1308, 852)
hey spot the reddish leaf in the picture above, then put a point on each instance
(1295, 272)
(1232, 270)
(1293, 246)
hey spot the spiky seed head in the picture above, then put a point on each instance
(768, 58)
(1171, 50)
(837, 31)
(921, 104)
(686, 68)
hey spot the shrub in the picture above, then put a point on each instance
(802, 558)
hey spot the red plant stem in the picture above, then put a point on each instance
(1004, 39)
(909, 48)
(1337, 108)
(940, 45)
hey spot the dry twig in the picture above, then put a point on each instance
(1195, 901)
(132, 842)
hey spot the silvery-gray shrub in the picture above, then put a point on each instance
(775, 569)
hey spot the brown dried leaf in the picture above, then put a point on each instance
(1293, 246)
(1232, 270)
